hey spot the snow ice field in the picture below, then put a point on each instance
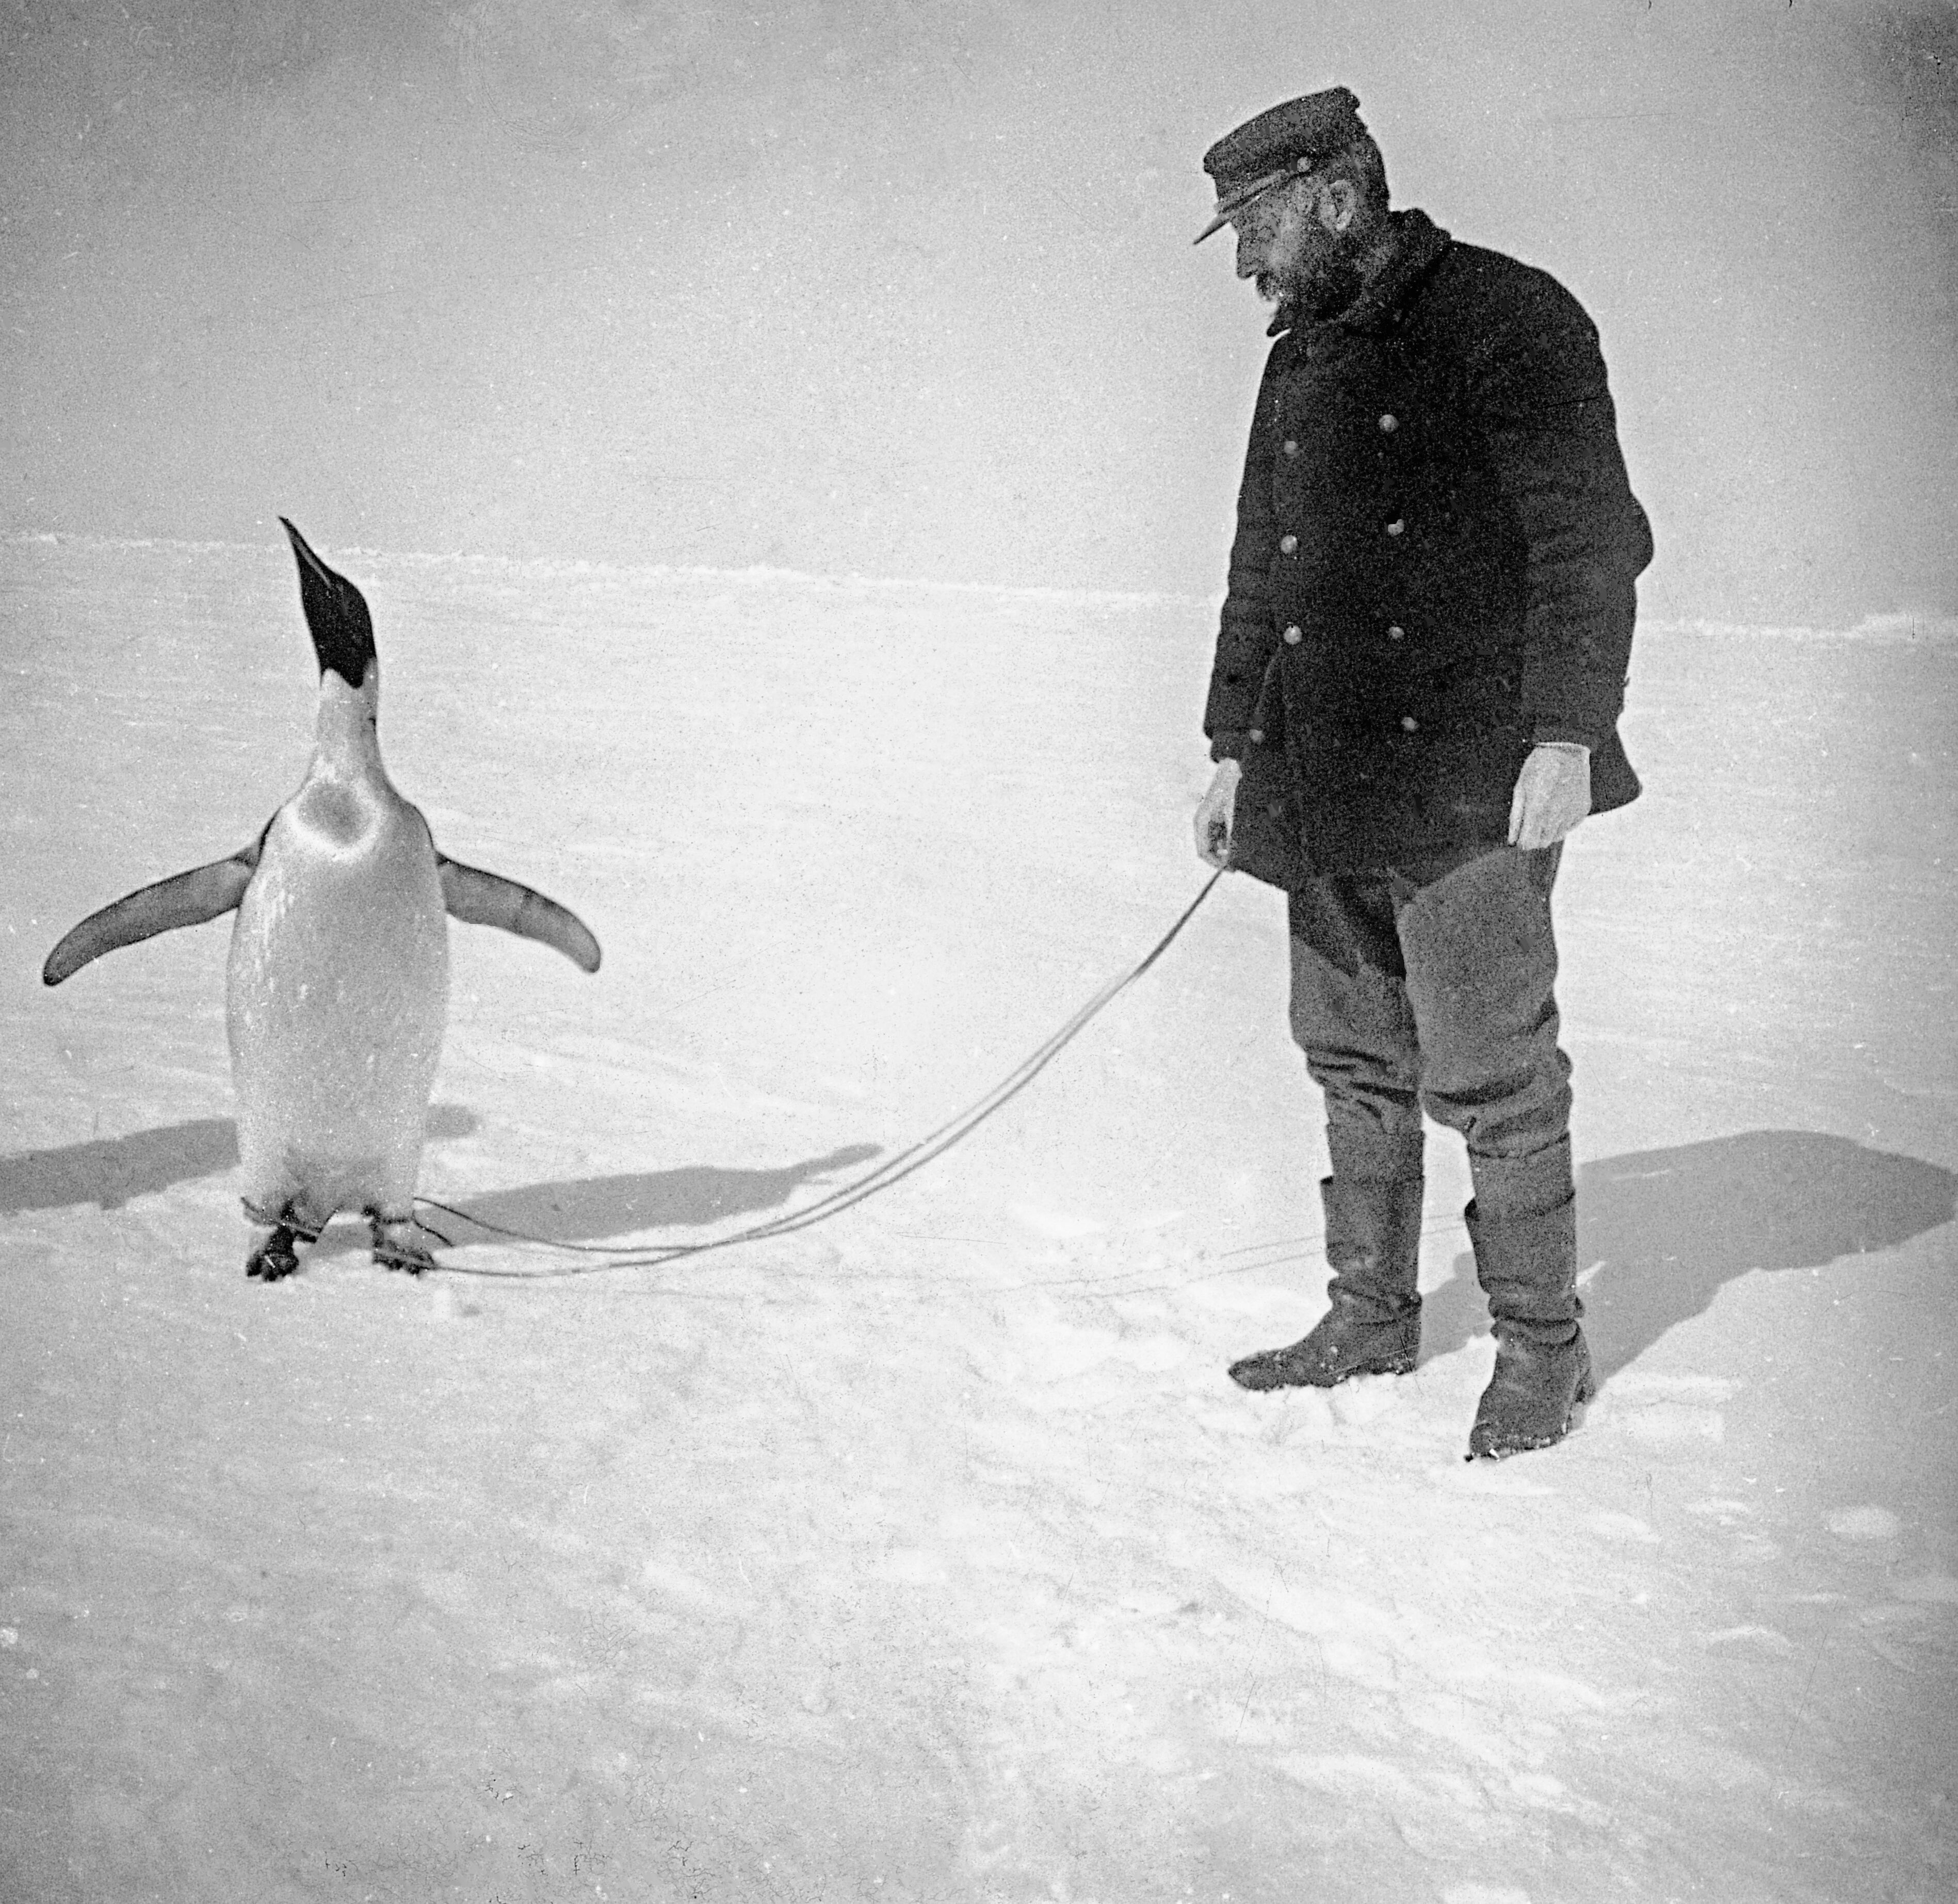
(927, 1553)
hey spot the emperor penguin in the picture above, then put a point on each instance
(338, 989)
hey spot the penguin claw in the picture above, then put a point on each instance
(398, 1246)
(274, 1259)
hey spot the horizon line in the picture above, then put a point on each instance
(1893, 624)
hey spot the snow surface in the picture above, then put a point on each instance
(927, 1552)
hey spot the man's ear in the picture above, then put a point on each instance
(1337, 202)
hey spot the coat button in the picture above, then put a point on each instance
(1287, 545)
(1409, 722)
(1294, 635)
(1291, 445)
(1399, 524)
(1389, 425)
(1394, 634)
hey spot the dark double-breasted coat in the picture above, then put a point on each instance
(1433, 567)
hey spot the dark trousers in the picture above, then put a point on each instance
(1426, 987)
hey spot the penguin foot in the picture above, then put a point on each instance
(273, 1256)
(398, 1244)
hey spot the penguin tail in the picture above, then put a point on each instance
(189, 899)
(480, 899)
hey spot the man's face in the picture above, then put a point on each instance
(1284, 245)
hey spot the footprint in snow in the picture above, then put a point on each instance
(1054, 1226)
(1929, 1589)
(1663, 1411)
(1350, 1776)
(1766, 1637)
(1722, 1508)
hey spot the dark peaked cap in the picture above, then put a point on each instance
(1298, 137)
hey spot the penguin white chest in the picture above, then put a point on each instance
(336, 1000)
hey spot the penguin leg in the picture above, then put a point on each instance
(397, 1242)
(272, 1256)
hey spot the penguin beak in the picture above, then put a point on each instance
(336, 613)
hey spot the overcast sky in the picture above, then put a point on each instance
(908, 288)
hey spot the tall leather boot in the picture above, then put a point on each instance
(1527, 1265)
(1373, 1246)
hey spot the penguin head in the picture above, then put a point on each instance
(337, 617)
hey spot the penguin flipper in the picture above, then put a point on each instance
(189, 899)
(480, 899)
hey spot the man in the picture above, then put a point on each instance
(1418, 676)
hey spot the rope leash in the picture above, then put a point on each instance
(892, 1170)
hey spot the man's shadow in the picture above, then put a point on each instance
(1667, 1227)
(108, 1171)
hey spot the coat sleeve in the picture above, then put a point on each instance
(1536, 381)
(1247, 637)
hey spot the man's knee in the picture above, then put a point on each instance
(1505, 1103)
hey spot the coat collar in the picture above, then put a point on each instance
(1418, 242)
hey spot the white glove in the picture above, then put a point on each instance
(1215, 814)
(1553, 794)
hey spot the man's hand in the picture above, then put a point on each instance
(1214, 812)
(1553, 794)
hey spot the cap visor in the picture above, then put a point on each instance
(1235, 200)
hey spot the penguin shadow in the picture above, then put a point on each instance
(588, 1209)
(109, 1171)
(1667, 1228)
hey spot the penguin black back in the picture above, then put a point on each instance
(336, 612)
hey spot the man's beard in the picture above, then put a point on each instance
(1317, 288)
